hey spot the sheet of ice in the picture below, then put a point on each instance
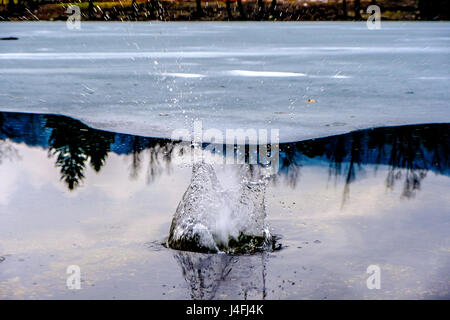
(306, 79)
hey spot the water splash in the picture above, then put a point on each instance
(212, 219)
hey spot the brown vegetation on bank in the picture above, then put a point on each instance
(223, 10)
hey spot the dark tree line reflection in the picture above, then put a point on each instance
(75, 145)
(409, 152)
(160, 155)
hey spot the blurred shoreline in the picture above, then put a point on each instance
(223, 10)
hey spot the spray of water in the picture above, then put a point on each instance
(210, 218)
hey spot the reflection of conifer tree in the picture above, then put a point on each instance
(159, 150)
(337, 152)
(436, 140)
(291, 156)
(97, 148)
(290, 164)
(153, 168)
(293, 174)
(138, 144)
(377, 142)
(71, 161)
(73, 144)
(407, 153)
(354, 162)
(162, 150)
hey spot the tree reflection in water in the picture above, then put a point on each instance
(74, 144)
(409, 152)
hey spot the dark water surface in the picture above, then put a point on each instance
(73, 195)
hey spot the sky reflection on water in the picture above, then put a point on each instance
(70, 194)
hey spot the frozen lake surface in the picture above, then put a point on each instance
(152, 78)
